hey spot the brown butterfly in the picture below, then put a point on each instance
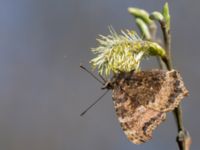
(141, 100)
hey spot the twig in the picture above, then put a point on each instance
(153, 31)
(183, 138)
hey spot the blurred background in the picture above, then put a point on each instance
(43, 91)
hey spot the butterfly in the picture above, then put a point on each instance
(142, 99)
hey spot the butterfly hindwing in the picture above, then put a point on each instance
(137, 121)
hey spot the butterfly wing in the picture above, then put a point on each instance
(137, 121)
(156, 89)
(171, 93)
(142, 99)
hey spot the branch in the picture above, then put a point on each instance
(183, 137)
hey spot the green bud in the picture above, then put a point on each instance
(149, 48)
(156, 16)
(166, 15)
(140, 13)
(143, 28)
(156, 50)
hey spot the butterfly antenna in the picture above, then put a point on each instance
(104, 80)
(83, 113)
(82, 67)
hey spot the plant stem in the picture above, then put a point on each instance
(153, 31)
(183, 138)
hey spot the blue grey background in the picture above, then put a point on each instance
(43, 90)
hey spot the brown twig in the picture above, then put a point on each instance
(183, 137)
